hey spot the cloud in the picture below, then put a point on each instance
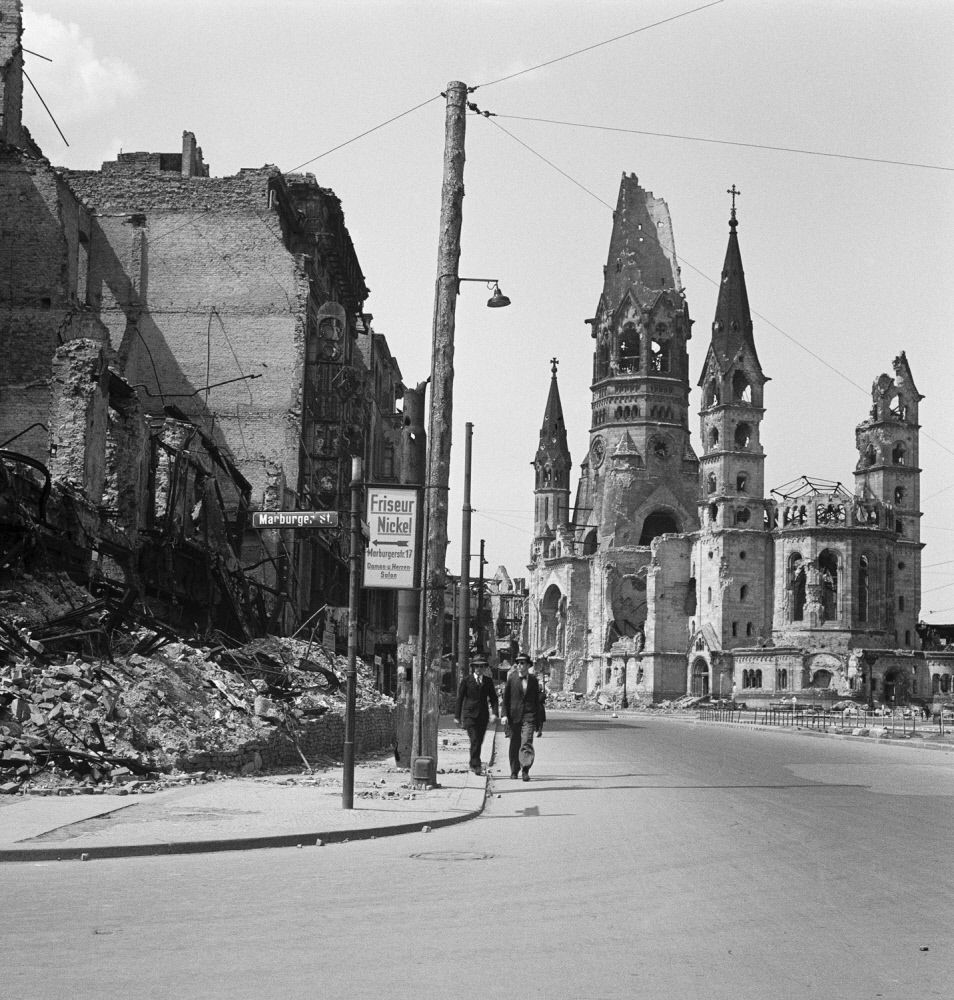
(78, 84)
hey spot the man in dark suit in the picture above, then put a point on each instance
(475, 697)
(524, 715)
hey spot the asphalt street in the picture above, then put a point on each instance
(646, 858)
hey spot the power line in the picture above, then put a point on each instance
(45, 106)
(596, 45)
(730, 142)
(682, 260)
(348, 142)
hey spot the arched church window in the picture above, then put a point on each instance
(659, 359)
(748, 631)
(743, 591)
(629, 349)
(713, 436)
(741, 481)
(796, 584)
(713, 513)
(898, 454)
(735, 628)
(869, 457)
(863, 589)
(712, 397)
(711, 484)
(899, 494)
(828, 572)
(741, 388)
(901, 602)
(742, 515)
(743, 435)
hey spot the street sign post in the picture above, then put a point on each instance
(390, 558)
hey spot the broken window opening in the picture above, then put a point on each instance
(899, 494)
(741, 481)
(898, 454)
(713, 436)
(659, 359)
(869, 457)
(796, 577)
(711, 484)
(828, 571)
(863, 589)
(629, 349)
(713, 513)
(741, 388)
(743, 435)
(712, 397)
(742, 515)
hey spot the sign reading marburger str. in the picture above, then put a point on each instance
(391, 554)
(295, 519)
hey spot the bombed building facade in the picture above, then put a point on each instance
(180, 351)
(675, 573)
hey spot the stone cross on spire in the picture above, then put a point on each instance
(554, 362)
(734, 192)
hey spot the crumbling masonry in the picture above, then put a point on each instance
(677, 574)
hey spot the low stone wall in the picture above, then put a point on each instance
(320, 740)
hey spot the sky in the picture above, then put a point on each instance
(848, 258)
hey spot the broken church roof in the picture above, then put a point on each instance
(642, 253)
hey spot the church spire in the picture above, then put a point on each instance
(552, 465)
(553, 448)
(733, 320)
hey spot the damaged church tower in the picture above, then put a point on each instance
(640, 478)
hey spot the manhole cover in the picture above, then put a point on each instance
(451, 856)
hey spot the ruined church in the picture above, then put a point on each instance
(674, 572)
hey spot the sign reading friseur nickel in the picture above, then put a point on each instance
(295, 519)
(391, 554)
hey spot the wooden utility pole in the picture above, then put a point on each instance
(428, 666)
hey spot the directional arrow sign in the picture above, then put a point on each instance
(295, 519)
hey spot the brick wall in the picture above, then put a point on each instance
(321, 740)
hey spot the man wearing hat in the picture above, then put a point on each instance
(524, 714)
(475, 697)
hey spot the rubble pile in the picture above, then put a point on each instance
(89, 706)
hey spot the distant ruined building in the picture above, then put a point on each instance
(674, 573)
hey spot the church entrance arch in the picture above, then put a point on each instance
(700, 677)
(552, 619)
(659, 522)
(896, 686)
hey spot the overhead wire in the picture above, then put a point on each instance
(348, 142)
(490, 117)
(597, 45)
(729, 142)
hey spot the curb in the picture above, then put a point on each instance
(308, 839)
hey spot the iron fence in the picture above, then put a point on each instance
(897, 722)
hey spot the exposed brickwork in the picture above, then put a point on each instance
(319, 740)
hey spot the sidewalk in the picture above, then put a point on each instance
(282, 810)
